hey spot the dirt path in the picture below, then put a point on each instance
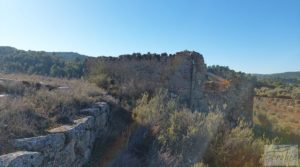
(114, 149)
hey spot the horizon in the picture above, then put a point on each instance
(258, 37)
(156, 53)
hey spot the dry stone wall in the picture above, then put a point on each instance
(184, 74)
(64, 146)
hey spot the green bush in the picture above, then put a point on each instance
(186, 138)
(237, 147)
(186, 135)
(296, 93)
(157, 109)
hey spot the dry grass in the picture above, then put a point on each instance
(278, 117)
(34, 110)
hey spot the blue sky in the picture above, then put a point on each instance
(255, 36)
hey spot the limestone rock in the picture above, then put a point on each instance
(79, 138)
(67, 145)
(100, 112)
(65, 157)
(49, 143)
(90, 111)
(80, 124)
(21, 159)
(103, 106)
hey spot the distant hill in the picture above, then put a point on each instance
(280, 85)
(285, 75)
(69, 55)
(7, 50)
(286, 78)
(58, 64)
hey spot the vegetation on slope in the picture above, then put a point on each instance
(55, 64)
(283, 85)
(29, 110)
(227, 73)
(280, 78)
(168, 134)
(277, 107)
(278, 117)
(171, 135)
(288, 92)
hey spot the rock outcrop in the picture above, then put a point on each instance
(68, 145)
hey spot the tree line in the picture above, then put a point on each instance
(41, 63)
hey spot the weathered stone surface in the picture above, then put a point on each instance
(79, 137)
(90, 111)
(184, 74)
(49, 143)
(65, 157)
(21, 159)
(104, 118)
(65, 146)
(100, 112)
(179, 73)
(80, 124)
(103, 106)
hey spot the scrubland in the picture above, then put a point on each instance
(171, 135)
(32, 104)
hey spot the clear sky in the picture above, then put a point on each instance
(256, 36)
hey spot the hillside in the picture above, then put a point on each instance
(276, 106)
(57, 64)
(7, 50)
(286, 78)
(164, 110)
(285, 75)
(281, 85)
(158, 90)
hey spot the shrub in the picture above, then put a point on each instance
(186, 135)
(157, 109)
(296, 93)
(236, 147)
(186, 138)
